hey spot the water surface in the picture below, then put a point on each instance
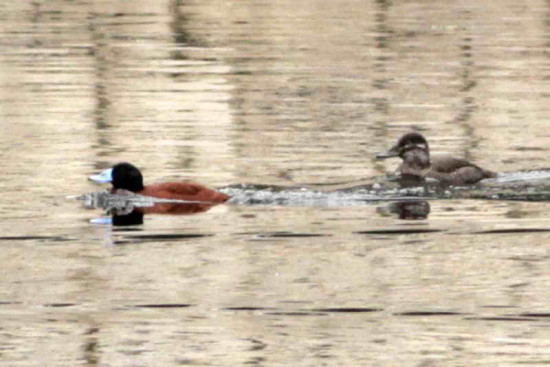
(278, 94)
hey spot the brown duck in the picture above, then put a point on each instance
(417, 165)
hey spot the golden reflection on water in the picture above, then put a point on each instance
(275, 93)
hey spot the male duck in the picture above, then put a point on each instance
(417, 165)
(125, 176)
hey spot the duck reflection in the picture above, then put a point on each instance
(133, 218)
(130, 209)
(408, 210)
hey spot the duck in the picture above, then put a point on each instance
(417, 165)
(126, 177)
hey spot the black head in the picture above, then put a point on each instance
(407, 143)
(127, 176)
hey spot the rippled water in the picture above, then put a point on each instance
(284, 105)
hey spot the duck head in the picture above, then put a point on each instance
(413, 149)
(123, 176)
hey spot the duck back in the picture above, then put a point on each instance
(184, 191)
(457, 171)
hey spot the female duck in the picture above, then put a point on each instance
(125, 176)
(417, 165)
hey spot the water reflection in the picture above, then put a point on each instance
(91, 346)
(130, 209)
(407, 210)
(135, 217)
